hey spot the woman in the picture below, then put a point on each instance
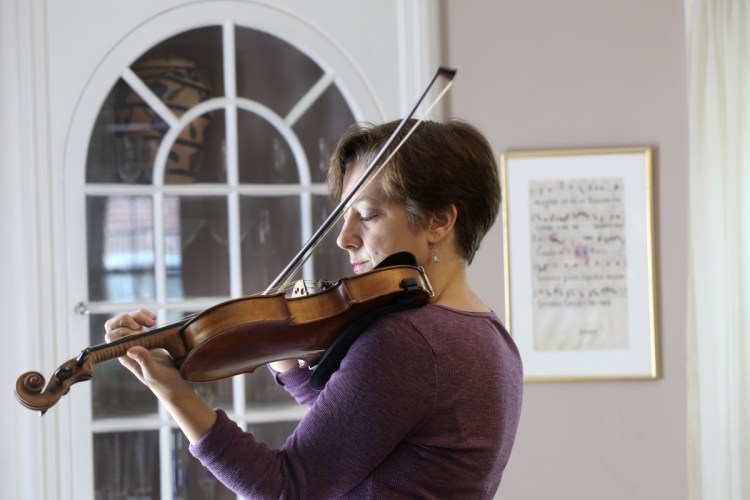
(427, 401)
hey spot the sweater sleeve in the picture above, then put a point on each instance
(297, 383)
(384, 387)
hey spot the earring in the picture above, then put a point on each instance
(435, 257)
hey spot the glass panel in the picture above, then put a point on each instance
(206, 158)
(120, 248)
(114, 157)
(271, 71)
(126, 466)
(173, 248)
(218, 394)
(319, 130)
(331, 262)
(274, 434)
(204, 262)
(192, 481)
(264, 155)
(270, 238)
(202, 47)
(115, 392)
(187, 158)
(261, 389)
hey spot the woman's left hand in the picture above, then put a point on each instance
(155, 368)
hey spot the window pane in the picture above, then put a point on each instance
(264, 155)
(202, 47)
(319, 129)
(217, 394)
(192, 481)
(275, 434)
(271, 71)
(203, 266)
(199, 155)
(270, 228)
(261, 389)
(114, 157)
(331, 262)
(120, 248)
(126, 465)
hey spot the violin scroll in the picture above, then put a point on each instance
(30, 388)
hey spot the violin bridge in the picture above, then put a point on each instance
(300, 289)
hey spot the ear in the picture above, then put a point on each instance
(441, 223)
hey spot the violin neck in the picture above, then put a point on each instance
(164, 337)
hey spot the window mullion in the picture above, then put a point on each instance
(233, 203)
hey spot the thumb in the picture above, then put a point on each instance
(141, 356)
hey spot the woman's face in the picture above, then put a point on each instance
(375, 228)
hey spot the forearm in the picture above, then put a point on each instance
(193, 415)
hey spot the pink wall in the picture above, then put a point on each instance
(537, 74)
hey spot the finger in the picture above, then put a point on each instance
(118, 328)
(112, 323)
(125, 324)
(132, 366)
(134, 320)
(144, 363)
(143, 317)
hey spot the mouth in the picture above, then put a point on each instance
(359, 267)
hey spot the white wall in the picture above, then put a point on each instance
(540, 74)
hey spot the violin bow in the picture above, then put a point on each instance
(293, 267)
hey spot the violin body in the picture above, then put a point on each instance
(238, 336)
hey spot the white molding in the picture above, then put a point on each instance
(33, 257)
(421, 53)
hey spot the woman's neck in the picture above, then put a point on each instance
(451, 286)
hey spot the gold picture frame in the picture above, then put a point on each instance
(580, 287)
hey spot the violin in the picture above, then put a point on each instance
(239, 335)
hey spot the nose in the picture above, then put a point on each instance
(348, 238)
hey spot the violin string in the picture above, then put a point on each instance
(364, 185)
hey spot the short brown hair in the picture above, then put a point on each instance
(439, 164)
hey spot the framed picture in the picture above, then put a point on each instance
(579, 272)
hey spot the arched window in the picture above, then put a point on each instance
(205, 173)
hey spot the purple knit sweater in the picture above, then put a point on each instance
(425, 404)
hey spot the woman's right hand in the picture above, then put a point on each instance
(285, 365)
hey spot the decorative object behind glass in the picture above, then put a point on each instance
(178, 83)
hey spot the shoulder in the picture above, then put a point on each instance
(445, 336)
(435, 331)
(433, 323)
